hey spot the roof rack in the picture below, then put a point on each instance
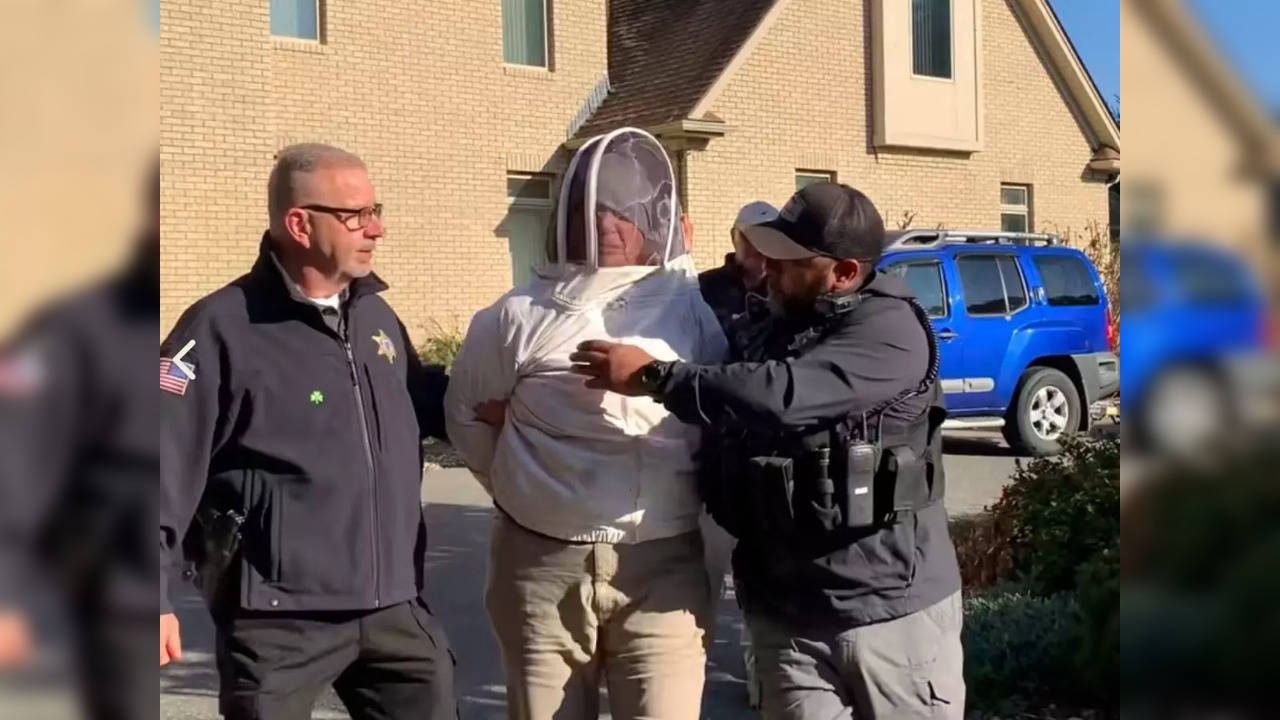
(904, 239)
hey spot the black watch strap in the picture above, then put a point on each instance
(654, 375)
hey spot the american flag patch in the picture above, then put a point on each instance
(172, 379)
(21, 375)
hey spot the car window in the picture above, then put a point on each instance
(992, 284)
(1209, 280)
(1015, 289)
(926, 283)
(1136, 292)
(1067, 280)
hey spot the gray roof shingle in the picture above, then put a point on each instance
(665, 54)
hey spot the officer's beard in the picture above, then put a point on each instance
(795, 306)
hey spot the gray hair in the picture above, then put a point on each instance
(301, 159)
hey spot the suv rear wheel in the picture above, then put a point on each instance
(1183, 411)
(1047, 407)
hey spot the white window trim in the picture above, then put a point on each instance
(533, 203)
(1024, 210)
(294, 38)
(817, 175)
(951, 46)
(546, 44)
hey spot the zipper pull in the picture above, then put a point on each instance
(351, 363)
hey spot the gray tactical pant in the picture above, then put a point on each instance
(909, 667)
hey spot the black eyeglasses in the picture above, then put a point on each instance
(361, 216)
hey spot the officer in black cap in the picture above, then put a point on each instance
(824, 460)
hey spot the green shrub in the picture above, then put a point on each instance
(441, 346)
(983, 553)
(1097, 598)
(1059, 513)
(1201, 549)
(1046, 631)
(1019, 651)
(1190, 524)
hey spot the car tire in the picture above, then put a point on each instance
(1184, 410)
(1046, 407)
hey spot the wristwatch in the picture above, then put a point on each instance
(654, 375)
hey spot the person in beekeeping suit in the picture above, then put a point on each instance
(596, 566)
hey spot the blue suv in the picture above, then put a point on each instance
(1198, 333)
(1023, 330)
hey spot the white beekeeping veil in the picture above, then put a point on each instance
(619, 205)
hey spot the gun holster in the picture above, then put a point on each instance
(213, 547)
(772, 489)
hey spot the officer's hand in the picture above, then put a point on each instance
(15, 640)
(492, 412)
(170, 640)
(611, 366)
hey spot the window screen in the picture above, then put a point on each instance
(524, 32)
(295, 19)
(804, 178)
(931, 38)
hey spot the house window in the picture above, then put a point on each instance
(298, 19)
(1015, 208)
(1142, 209)
(805, 178)
(524, 32)
(931, 38)
(529, 209)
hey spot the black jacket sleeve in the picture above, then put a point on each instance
(427, 384)
(867, 360)
(192, 427)
(41, 396)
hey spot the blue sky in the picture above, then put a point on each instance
(1094, 28)
(1244, 31)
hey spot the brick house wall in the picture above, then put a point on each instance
(802, 102)
(420, 91)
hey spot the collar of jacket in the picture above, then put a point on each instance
(877, 284)
(888, 285)
(800, 329)
(265, 274)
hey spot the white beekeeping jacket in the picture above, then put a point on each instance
(578, 464)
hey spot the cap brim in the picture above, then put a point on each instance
(774, 244)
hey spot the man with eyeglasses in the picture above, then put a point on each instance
(292, 410)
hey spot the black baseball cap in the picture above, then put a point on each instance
(822, 219)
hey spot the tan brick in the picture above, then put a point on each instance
(420, 92)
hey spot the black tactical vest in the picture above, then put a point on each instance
(837, 521)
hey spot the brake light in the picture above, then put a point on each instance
(1113, 331)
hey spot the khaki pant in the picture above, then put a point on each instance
(566, 613)
(909, 667)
